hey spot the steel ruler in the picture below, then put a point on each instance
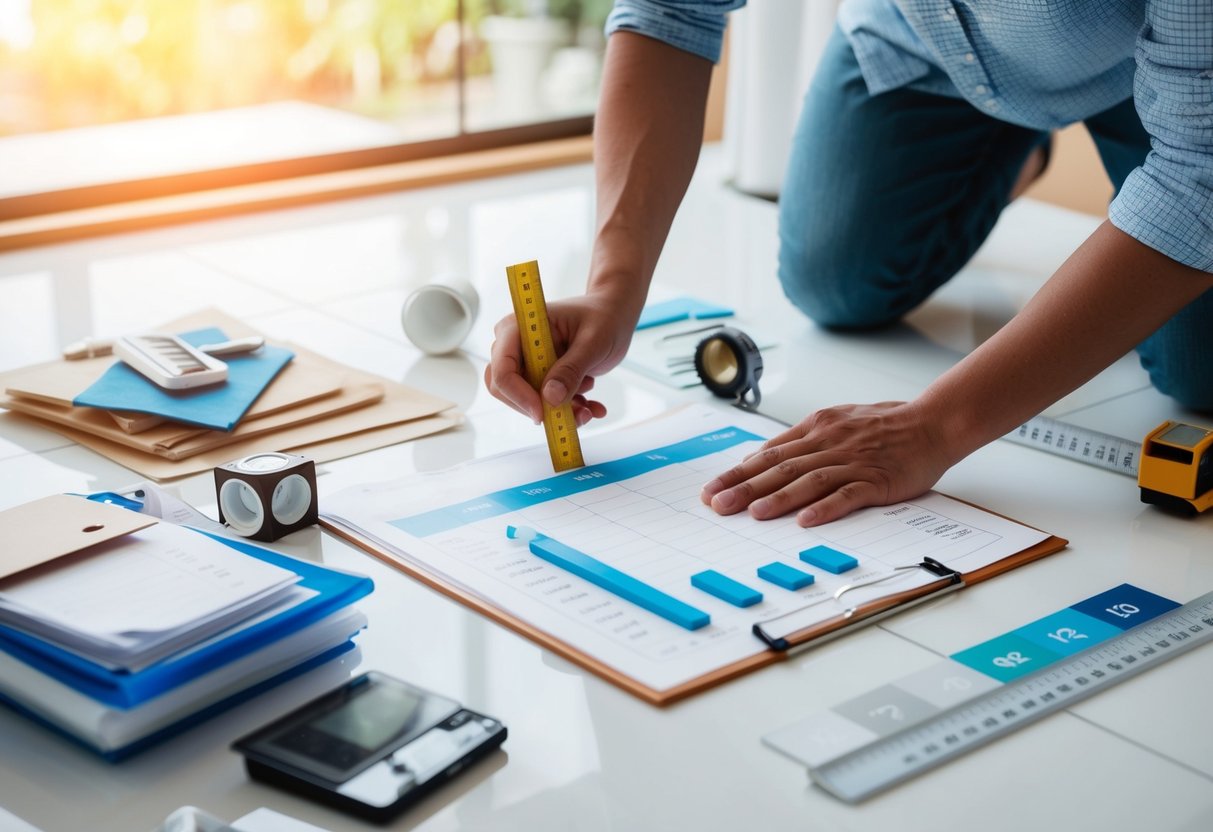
(1100, 449)
(538, 356)
(897, 757)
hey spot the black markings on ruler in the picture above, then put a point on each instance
(1092, 447)
(897, 757)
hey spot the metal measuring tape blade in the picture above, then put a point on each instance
(892, 759)
(729, 364)
(538, 356)
(1102, 450)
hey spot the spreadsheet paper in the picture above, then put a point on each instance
(635, 509)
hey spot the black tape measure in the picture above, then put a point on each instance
(729, 364)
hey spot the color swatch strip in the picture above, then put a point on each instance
(967, 674)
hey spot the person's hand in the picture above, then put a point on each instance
(834, 462)
(591, 336)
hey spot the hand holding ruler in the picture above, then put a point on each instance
(538, 356)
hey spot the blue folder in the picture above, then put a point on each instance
(219, 406)
(118, 754)
(123, 689)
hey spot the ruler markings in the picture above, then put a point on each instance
(538, 356)
(898, 757)
(1102, 450)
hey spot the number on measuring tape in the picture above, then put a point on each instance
(538, 355)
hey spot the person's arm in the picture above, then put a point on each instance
(1152, 258)
(647, 135)
(1105, 299)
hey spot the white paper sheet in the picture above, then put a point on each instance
(636, 507)
(128, 599)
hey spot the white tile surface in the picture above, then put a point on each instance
(582, 754)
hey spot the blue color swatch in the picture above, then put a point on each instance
(725, 588)
(216, 406)
(785, 576)
(680, 309)
(1067, 632)
(1006, 657)
(570, 482)
(831, 560)
(616, 582)
(1125, 606)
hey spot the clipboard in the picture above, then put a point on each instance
(862, 615)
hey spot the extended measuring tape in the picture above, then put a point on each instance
(1100, 449)
(897, 757)
(538, 355)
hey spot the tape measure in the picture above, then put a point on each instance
(1100, 449)
(897, 757)
(538, 356)
(729, 365)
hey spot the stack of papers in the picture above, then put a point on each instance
(128, 602)
(283, 398)
(123, 643)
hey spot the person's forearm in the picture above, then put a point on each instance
(647, 135)
(1105, 299)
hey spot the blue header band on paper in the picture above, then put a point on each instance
(570, 482)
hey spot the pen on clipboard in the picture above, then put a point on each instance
(862, 614)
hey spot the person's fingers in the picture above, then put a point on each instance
(748, 468)
(586, 409)
(587, 384)
(809, 471)
(842, 501)
(565, 377)
(504, 373)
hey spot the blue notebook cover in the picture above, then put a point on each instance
(121, 689)
(118, 754)
(219, 406)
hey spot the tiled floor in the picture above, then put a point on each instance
(581, 754)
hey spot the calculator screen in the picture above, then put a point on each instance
(350, 728)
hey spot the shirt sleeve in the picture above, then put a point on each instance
(695, 26)
(1167, 203)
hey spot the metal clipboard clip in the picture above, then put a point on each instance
(854, 617)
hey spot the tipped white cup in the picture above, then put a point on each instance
(437, 316)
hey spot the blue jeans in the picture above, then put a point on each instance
(886, 197)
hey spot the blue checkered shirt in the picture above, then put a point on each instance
(1042, 64)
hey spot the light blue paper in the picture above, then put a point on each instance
(219, 406)
(680, 309)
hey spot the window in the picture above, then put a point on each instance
(106, 100)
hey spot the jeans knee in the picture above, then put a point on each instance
(1192, 390)
(839, 289)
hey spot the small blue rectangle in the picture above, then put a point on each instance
(1006, 657)
(725, 588)
(1067, 632)
(831, 560)
(679, 309)
(620, 583)
(1125, 606)
(785, 576)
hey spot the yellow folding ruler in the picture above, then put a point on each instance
(538, 355)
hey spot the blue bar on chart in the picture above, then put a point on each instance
(725, 588)
(785, 576)
(831, 560)
(611, 579)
